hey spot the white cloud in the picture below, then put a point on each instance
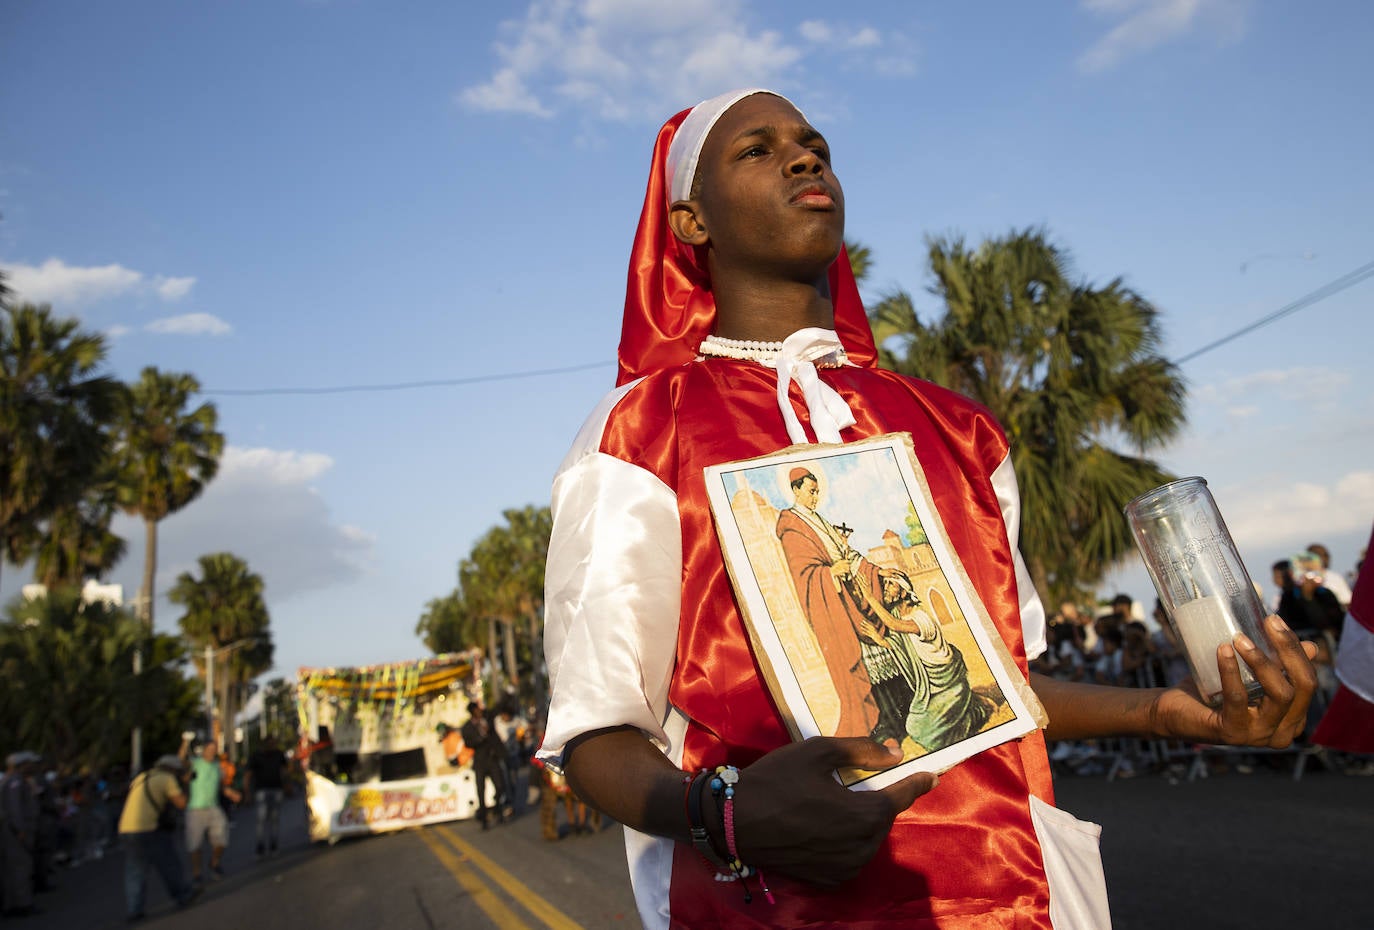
(263, 508)
(504, 93)
(56, 282)
(1146, 24)
(1308, 386)
(1271, 512)
(274, 465)
(867, 37)
(190, 324)
(173, 288)
(636, 59)
(116, 331)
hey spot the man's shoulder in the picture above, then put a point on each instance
(947, 400)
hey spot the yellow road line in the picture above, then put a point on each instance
(550, 915)
(500, 913)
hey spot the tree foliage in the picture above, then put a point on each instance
(70, 692)
(499, 601)
(77, 542)
(1073, 373)
(165, 456)
(448, 625)
(225, 612)
(55, 411)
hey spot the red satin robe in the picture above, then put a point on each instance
(963, 856)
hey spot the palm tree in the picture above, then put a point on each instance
(77, 542)
(1073, 373)
(448, 625)
(165, 456)
(860, 258)
(225, 610)
(68, 688)
(55, 410)
(502, 580)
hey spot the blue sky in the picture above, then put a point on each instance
(324, 194)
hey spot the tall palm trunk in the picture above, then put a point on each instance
(225, 726)
(536, 660)
(512, 666)
(149, 571)
(491, 657)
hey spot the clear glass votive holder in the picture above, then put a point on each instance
(1200, 578)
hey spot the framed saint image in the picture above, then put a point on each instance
(860, 612)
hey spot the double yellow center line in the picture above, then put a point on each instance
(464, 861)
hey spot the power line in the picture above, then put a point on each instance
(1326, 290)
(1329, 289)
(406, 385)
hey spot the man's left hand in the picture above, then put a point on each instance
(1274, 722)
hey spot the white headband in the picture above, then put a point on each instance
(685, 150)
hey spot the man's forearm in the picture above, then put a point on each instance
(622, 774)
(1078, 710)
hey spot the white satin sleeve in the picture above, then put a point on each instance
(1032, 610)
(612, 596)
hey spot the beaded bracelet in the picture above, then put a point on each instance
(723, 781)
(701, 838)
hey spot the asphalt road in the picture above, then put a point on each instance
(1229, 851)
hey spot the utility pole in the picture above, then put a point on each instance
(209, 690)
(142, 606)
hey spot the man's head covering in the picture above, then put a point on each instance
(22, 757)
(669, 307)
(170, 762)
(798, 474)
(684, 152)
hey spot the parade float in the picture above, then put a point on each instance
(377, 743)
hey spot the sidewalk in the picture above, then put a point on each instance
(91, 895)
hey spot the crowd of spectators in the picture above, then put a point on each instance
(51, 822)
(1117, 645)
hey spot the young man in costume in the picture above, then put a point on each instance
(743, 334)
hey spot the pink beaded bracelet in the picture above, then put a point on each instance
(723, 782)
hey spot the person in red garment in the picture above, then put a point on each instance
(1348, 724)
(743, 334)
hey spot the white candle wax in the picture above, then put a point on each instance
(1204, 624)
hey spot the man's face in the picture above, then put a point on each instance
(207, 752)
(809, 494)
(767, 194)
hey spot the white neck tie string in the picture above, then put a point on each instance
(797, 362)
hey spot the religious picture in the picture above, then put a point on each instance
(859, 611)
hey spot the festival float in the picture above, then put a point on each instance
(377, 740)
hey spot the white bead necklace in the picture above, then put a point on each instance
(752, 350)
(744, 349)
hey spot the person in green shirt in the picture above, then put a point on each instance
(205, 820)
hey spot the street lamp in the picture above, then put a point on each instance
(212, 655)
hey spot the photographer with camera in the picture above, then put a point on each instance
(146, 827)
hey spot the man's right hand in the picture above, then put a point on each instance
(792, 817)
